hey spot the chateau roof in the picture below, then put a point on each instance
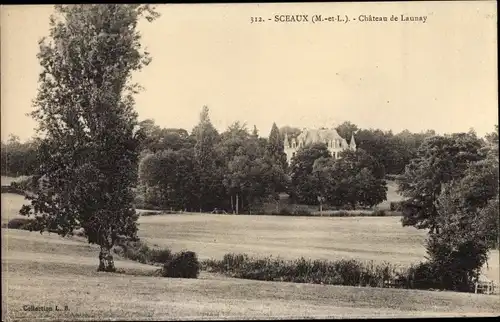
(318, 135)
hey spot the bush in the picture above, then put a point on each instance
(20, 223)
(160, 255)
(182, 265)
(421, 276)
(142, 253)
(30, 224)
(342, 272)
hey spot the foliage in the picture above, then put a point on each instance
(341, 272)
(354, 179)
(347, 130)
(88, 142)
(20, 223)
(302, 181)
(156, 139)
(138, 251)
(394, 152)
(440, 159)
(467, 212)
(464, 213)
(276, 149)
(182, 265)
(207, 173)
(170, 174)
(19, 158)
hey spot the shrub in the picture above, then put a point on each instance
(182, 265)
(141, 252)
(160, 255)
(342, 272)
(20, 223)
(420, 276)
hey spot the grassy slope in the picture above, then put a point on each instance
(212, 236)
(48, 270)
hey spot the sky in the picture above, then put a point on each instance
(441, 74)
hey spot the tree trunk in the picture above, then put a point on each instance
(106, 262)
(321, 208)
(232, 206)
(237, 201)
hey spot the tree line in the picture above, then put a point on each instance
(237, 170)
(19, 159)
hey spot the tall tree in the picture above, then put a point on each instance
(208, 175)
(275, 147)
(440, 159)
(85, 110)
(468, 222)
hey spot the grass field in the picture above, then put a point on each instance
(47, 270)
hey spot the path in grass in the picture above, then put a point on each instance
(45, 270)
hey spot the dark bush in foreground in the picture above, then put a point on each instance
(342, 272)
(182, 265)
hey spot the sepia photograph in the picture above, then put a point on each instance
(249, 161)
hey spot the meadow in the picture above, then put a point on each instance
(48, 270)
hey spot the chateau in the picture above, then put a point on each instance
(330, 137)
